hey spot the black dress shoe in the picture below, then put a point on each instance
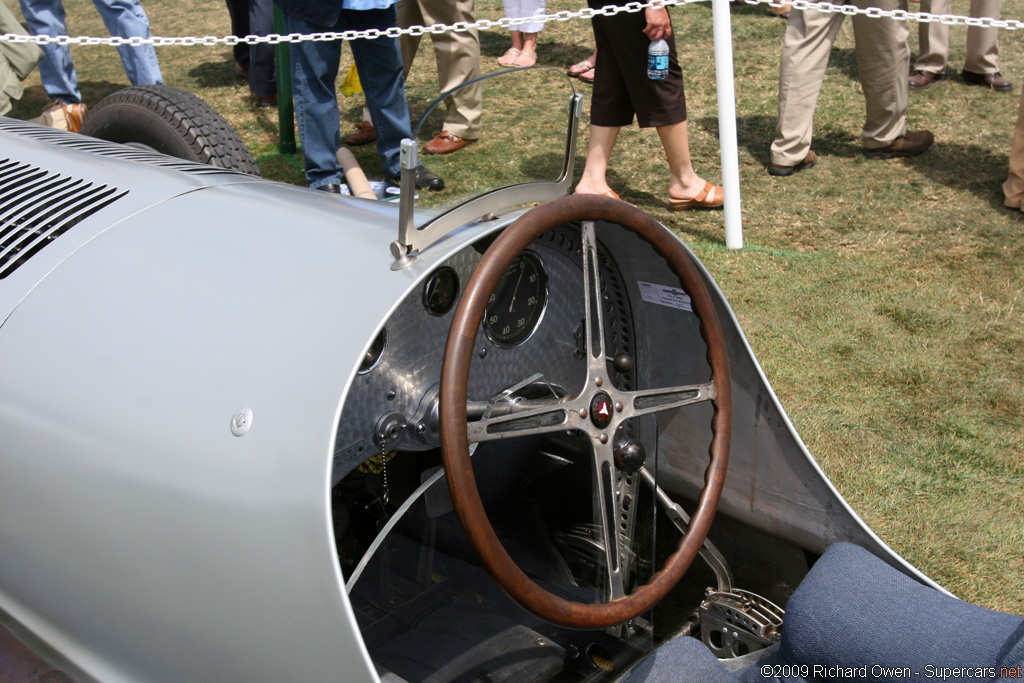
(425, 180)
(333, 188)
(995, 81)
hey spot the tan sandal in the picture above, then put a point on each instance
(529, 55)
(711, 197)
(510, 57)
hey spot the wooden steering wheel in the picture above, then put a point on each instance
(596, 410)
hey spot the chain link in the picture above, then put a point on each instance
(503, 23)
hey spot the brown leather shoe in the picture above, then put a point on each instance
(910, 144)
(779, 170)
(364, 134)
(995, 81)
(919, 80)
(445, 143)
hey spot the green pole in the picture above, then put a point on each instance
(285, 108)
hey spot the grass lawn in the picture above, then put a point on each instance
(885, 299)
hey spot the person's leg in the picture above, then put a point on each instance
(1013, 188)
(56, 70)
(409, 13)
(983, 43)
(262, 69)
(458, 61)
(883, 60)
(685, 183)
(379, 63)
(127, 19)
(805, 51)
(933, 39)
(599, 154)
(513, 9)
(530, 31)
(314, 71)
(238, 10)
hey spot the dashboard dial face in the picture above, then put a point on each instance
(440, 291)
(517, 303)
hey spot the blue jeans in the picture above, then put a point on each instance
(123, 18)
(314, 71)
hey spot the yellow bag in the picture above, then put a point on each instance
(351, 85)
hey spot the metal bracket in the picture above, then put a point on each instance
(413, 239)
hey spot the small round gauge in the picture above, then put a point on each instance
(517, 303)
(373, 354)
(440, 291)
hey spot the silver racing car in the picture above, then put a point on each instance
(254, 432)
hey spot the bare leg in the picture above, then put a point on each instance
(510, 57)
(529, 48)
(685, 183)
(599, 153)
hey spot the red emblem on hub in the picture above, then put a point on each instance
(601, 410)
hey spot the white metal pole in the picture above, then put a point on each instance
(722, 23)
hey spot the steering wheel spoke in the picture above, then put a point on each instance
(607, 512)
(594, 315)
(666, 398)
(527, 422)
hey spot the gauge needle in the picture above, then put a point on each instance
(516, 290)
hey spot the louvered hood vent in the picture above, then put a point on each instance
(90, 145)
(37, 207)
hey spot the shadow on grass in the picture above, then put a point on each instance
(216, 74)
(755, 135)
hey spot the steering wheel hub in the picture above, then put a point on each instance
(601, 410)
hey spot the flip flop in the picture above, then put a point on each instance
(510, 57)
(711, 197)
(588, 76)
(580, 68)
(607, 193)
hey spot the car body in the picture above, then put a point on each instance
(222, 408)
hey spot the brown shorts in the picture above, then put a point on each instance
(622, 88)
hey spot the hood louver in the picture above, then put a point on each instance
(38, 206)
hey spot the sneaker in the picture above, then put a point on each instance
(910, 144)
(62, 116)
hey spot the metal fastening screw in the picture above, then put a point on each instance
(241, 421)
(583, 413)
(599, 381)
(542, 642)
(392, 394)
(483, 353)
(618, 406)
(603, 438)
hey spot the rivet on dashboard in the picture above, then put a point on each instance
(483, 353)
(241, 421)
(392, 394)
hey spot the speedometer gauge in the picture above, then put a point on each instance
(517, 303)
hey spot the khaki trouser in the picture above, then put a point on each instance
(1013, 188)
(16, 60)
(457, 54)
(982, 43)
(883, 60)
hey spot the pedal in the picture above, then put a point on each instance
(738, 622)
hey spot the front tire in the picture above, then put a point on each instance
(172, 122)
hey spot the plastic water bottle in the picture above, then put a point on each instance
(657, 60)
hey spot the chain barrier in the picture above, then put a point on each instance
(503, 23)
